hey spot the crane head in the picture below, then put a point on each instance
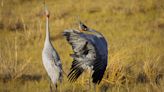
(46, 12)
(82, 26)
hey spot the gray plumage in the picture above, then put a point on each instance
(50, 57)
(90, 51)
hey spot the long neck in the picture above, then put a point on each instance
(47, 31)
(47, 28)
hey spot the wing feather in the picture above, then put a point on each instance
(89, 51)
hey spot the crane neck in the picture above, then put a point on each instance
(47, 38)
(47, 29)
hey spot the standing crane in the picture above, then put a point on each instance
(50, 57)
(90, 52)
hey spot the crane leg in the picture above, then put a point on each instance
(60, 88)
(95, 88)
(56, 88)
(90, 82)
(50, 87)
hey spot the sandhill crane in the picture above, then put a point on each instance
(90, 51)
(50, 57)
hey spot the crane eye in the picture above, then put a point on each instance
(84, 27)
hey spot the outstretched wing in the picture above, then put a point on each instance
(101, 48)
(84, 53)
(75, 40)
(100, 63)
(89, 51)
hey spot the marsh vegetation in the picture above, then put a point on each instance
(134, 30)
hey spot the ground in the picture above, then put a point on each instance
(134, 30)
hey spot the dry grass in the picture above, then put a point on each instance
(133, 29)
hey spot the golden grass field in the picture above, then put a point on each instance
(134, 30)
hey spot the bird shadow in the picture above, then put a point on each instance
(23, 78)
